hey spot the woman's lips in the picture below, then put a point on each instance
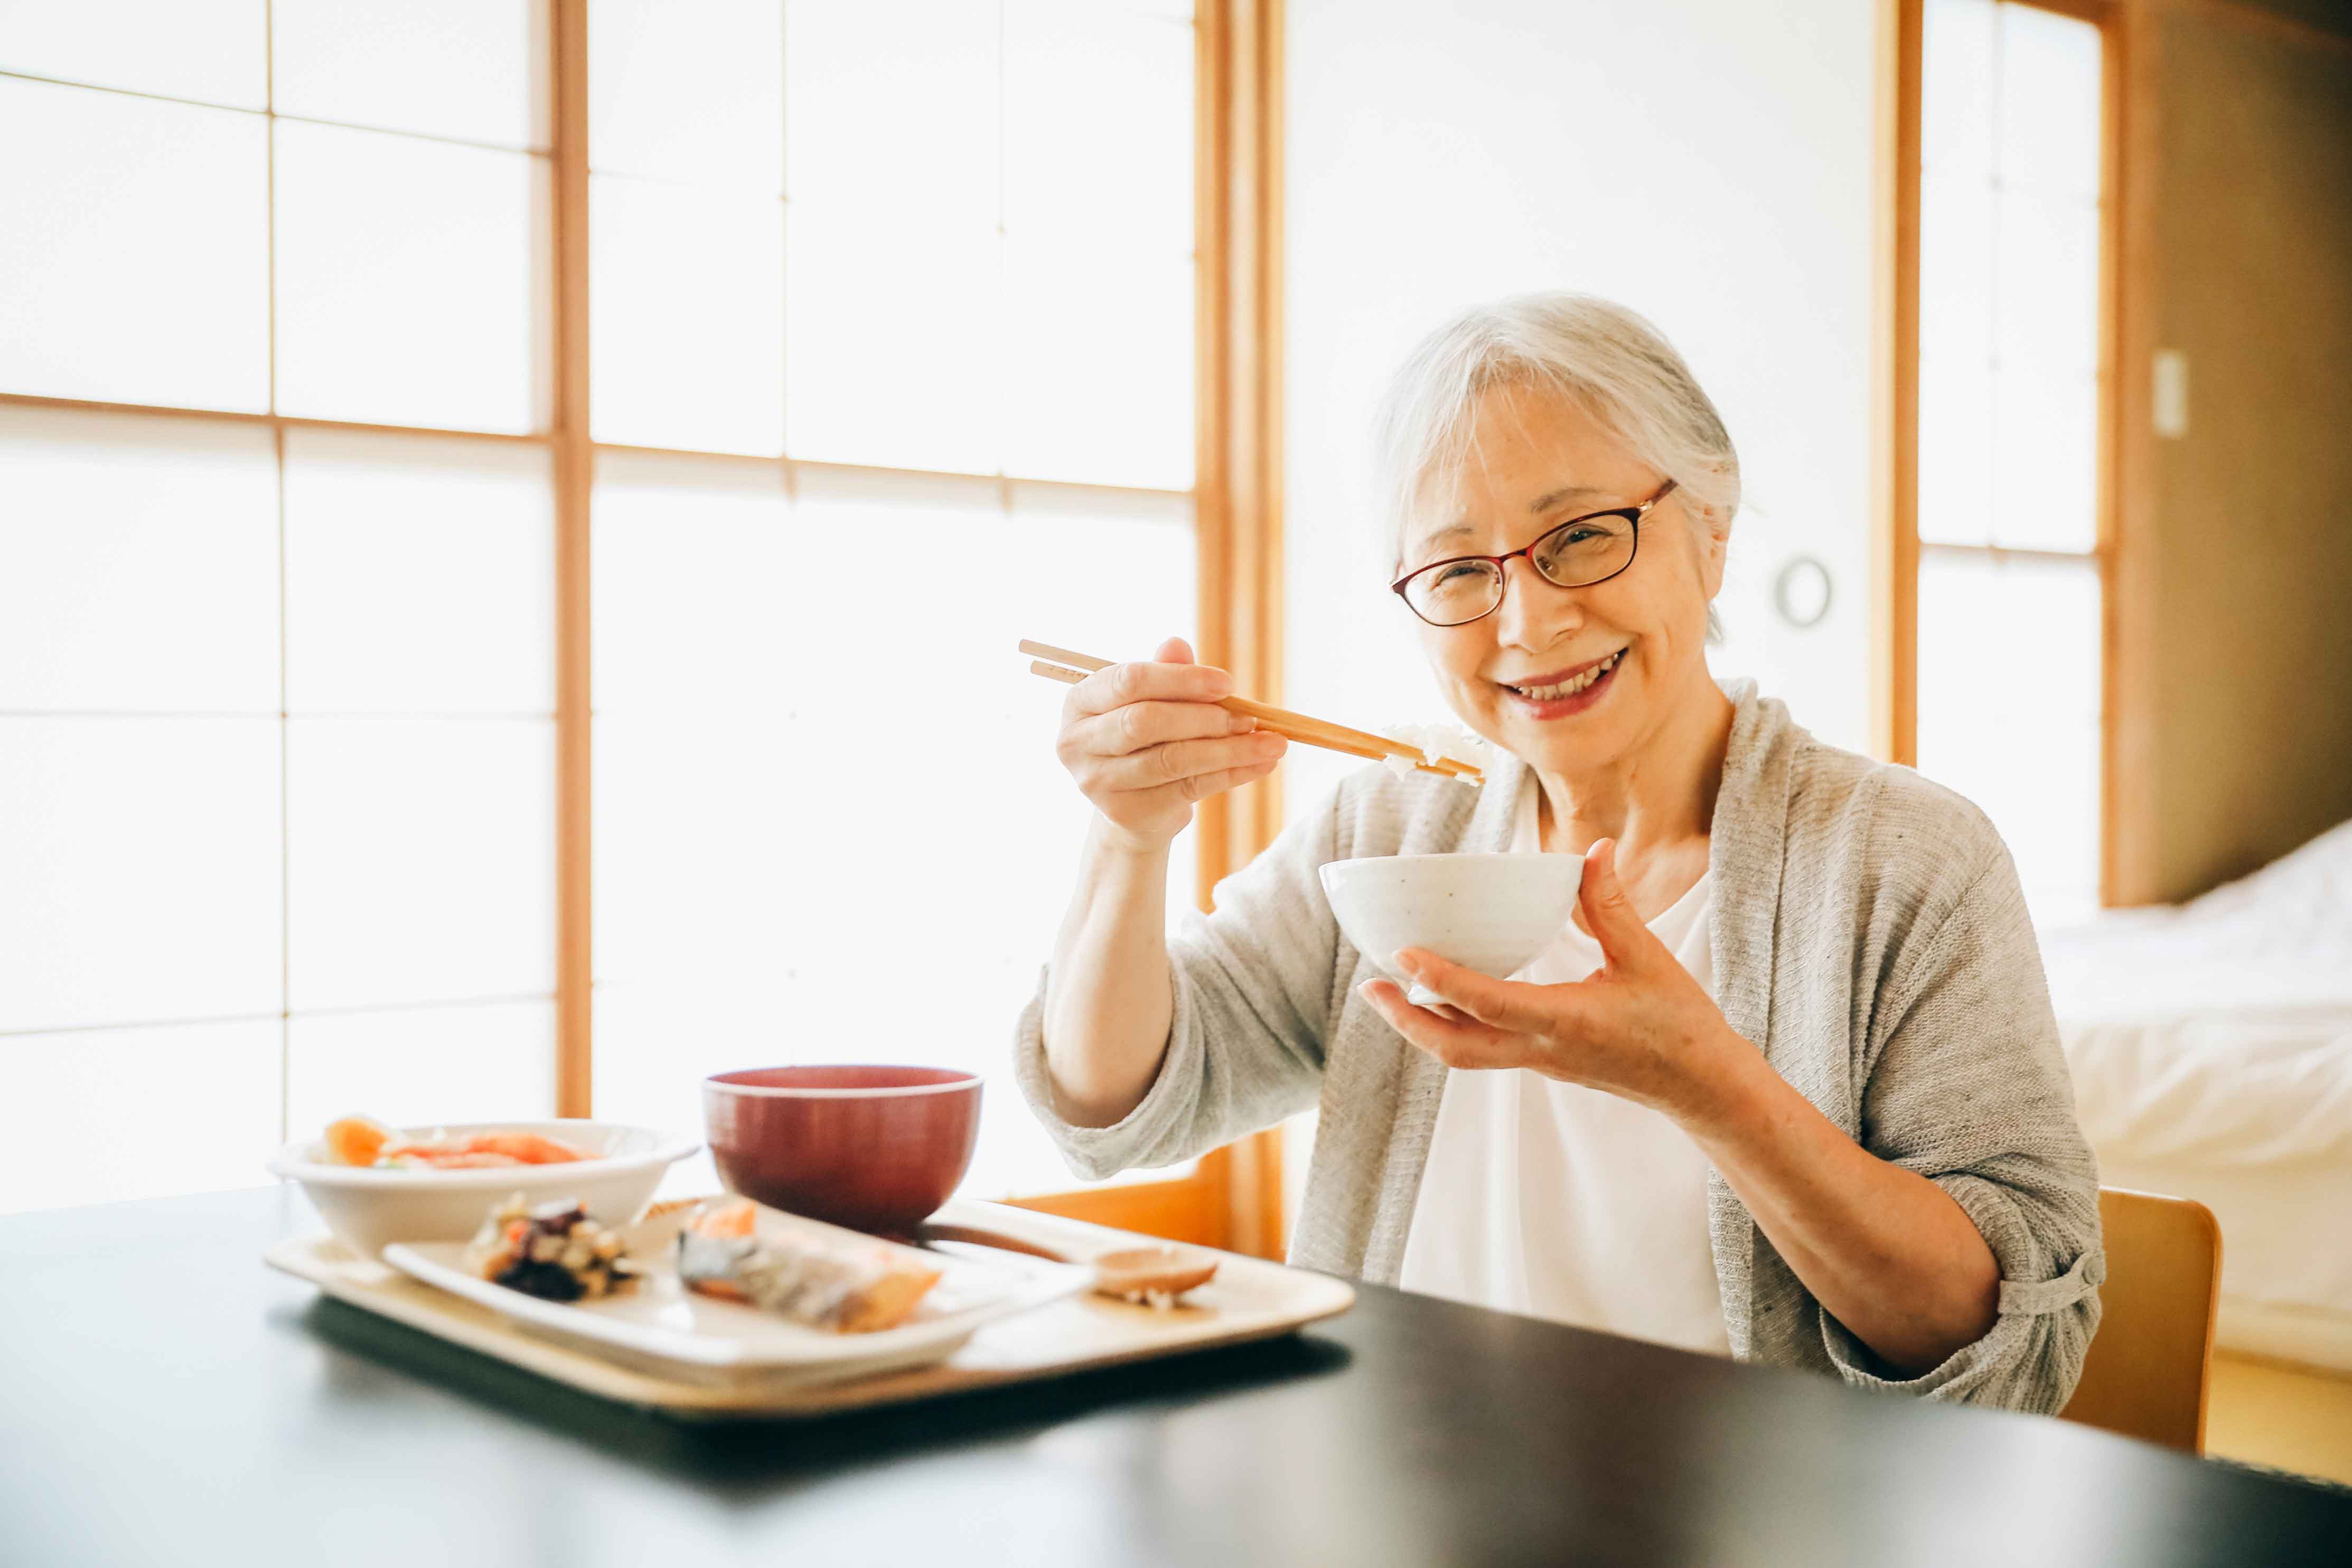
(1573, 702)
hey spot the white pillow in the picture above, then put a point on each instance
(2304, 897)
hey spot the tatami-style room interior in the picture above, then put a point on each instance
(1176, 781)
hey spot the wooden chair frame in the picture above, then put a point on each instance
(2149, 1371)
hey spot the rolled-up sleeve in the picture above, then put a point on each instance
(1252, 984)
(1969, 1087)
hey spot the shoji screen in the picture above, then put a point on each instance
(891, 365)
(275, 551)
(2010, 392)
(893, 358)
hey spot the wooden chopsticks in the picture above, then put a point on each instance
(1072, 668)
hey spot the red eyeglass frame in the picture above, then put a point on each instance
(1633, 515)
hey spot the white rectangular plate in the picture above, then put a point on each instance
(660, 1321)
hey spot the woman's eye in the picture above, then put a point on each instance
(1455, 573)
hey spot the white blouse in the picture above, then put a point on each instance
(1564, 1202)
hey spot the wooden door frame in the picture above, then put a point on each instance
(1895, 554)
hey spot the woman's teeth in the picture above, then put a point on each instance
(1568, 688)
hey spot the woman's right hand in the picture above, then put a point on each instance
(1146, 740)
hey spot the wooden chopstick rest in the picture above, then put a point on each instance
(1133, 1273)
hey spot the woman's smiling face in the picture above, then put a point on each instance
(1572, 680)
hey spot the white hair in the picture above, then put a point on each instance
(1609, 361)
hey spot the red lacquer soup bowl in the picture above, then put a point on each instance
(875, 1148)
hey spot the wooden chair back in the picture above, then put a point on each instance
(2147, 1372)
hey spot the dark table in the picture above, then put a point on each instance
(166, 1399)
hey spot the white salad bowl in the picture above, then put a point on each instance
(369, 1209)
(1488, 913)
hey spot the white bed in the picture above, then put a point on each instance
(2212, 1049)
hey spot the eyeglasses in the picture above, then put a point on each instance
(1579, 553)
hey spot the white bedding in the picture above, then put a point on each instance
(2211, 1050)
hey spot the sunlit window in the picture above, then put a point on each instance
(891, 365)
(938, 256)
(2010, 393)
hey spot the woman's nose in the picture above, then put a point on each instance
(1534, 608)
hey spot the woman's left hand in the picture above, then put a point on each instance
(1640, 1026)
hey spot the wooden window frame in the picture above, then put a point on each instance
(1897, 546)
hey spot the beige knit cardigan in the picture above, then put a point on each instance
(1869, 937)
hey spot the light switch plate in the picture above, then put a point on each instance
(2171, 394)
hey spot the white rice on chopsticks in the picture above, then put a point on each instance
(1450, 742)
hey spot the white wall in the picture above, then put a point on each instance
(1706, 162)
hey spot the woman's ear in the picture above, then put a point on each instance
(1715, 547)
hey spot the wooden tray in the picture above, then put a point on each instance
(1250, 1299)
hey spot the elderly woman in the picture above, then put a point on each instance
(1788, 1089)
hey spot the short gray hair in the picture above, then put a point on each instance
(1609, 361)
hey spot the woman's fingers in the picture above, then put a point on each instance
(1507, 1005)
(1186, 792)
(1148, 682)
(1138, 725)
(1456, 1041)
(1179, 761)
(1608, 912)
(1142, 741)
(1201, 786)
